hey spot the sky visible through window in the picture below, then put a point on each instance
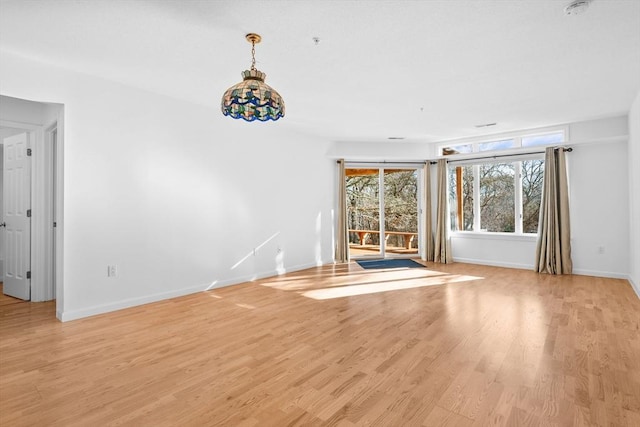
(543, 139)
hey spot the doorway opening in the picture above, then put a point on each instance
(30, 243)
(383, 211)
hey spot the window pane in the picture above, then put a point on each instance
(401, 211)
(532, 179)
(457, 149)
(497, 197)
(461, 210)
(496, 145)
(548, 139)
(363, 210)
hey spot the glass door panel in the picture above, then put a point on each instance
(400, 212)
(363, 212)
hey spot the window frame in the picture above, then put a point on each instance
(516, 160)
(517, 154)
(517, 137)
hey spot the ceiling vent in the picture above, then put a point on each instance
(577, 7)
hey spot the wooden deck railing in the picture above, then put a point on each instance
(406, 235)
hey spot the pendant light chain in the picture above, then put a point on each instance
(253, 54)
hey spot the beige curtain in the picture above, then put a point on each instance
(342, 238)
(553, 251)
(442, 245)
(428, 223)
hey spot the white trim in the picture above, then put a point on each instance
(59, 249)
(40, 284)
(596, 273)
(494, 263)
(634, 286)
(68, 315)
(488, 235)
(19, 125)
(42, 253)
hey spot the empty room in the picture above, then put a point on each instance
(320, 213)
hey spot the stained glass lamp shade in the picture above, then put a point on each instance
(252, 99)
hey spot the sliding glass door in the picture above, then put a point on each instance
(382, 211)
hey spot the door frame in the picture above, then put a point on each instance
(44, 286)
(381, 166)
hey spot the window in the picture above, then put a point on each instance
(545, 139)
(549, 136)
(498, 197)
(532, 174)
(496, 145)
(461, 198)
(499, 194)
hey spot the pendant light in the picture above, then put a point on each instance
(252, 99)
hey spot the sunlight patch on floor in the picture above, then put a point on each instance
(249, 306)
(372, 288)
(308, 282)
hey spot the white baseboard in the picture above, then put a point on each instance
(494, 263)
(596, 273)
(68, 315)
(634, 286)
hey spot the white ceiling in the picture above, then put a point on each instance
(423, 70)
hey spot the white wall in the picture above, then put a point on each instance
(599, 187)
(393, 150)
(634, 194)
(174, 194)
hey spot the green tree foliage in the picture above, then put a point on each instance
(497, 197)
(532, 179)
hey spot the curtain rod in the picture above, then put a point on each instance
(566, 149)
(384, 162)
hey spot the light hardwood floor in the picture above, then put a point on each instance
(457, 345)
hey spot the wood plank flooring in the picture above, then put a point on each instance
(454, 345)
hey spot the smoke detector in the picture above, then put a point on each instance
(577, 7)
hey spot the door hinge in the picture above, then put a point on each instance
(28, 275)
(28, 213)
(29, 151)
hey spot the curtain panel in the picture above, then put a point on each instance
(342, 238)
(442, 250)
(428, 223)
(553, 249)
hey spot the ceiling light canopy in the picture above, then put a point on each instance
(577, 7)
(252, 99)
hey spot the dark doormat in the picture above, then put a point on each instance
(390, 263)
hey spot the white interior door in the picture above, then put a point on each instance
(17, 216)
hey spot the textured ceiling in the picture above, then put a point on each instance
(423, 70)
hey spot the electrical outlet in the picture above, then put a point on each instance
(600, 249)
(112, 270)
(278, 250)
